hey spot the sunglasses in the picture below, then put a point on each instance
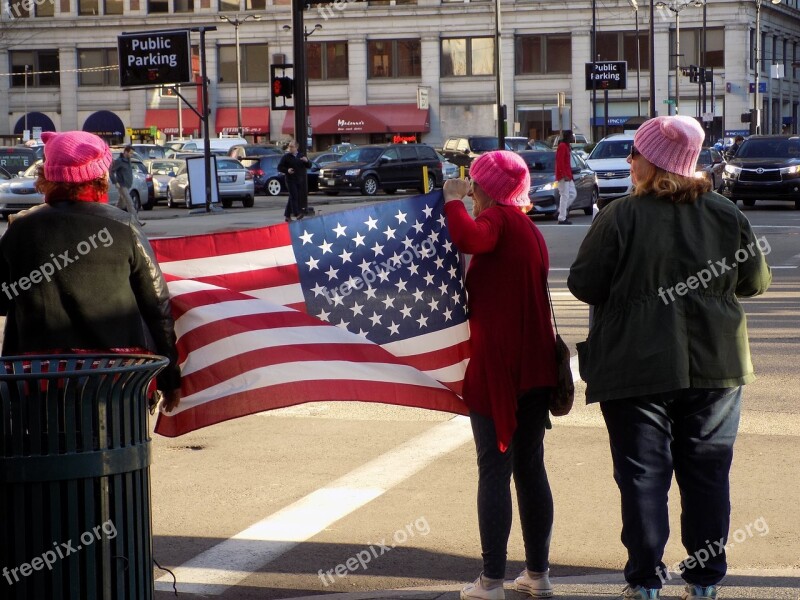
(634, 152)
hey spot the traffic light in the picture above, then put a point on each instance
(282, 87)
(693, 73)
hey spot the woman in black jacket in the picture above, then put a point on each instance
(294, 166)
(77, 274)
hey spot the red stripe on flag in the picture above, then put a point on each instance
(290, 394)
(218, 244)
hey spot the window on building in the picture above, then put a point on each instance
(183, 6)
(113, 7)
(539, 54)
(255, 4)
(692, 47)
(43, 68)
(89, 7)
(394, 58)
(254, 57)
(157, 6)
(45, 9)
(229, 5)
(467, 56)
(622, 45)
(96, 59)
(326, 60)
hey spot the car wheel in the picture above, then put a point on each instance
(187, 198)
(390, 190)
(227, 203)
(149, 204)
(749, 202)
(590, 209)
(248, 202)
(135, 200)
(273, 187)
(370, 186)
(431, 184)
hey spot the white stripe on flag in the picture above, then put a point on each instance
(225, 264)
(429, 342)
(450, 374)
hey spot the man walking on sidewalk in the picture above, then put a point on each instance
(121, 175)
(566, 186)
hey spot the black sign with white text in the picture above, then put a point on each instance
(607, 75)
(154, 58)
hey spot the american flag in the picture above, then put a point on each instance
(366, 304)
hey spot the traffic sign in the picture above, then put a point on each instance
(669, 101)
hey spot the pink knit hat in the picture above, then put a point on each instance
(74, 156)
(671, 143)
(504, 176)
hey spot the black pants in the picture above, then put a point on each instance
(293, 203)
(525, 458)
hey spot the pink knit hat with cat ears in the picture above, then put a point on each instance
(504, 176)
(75, 156)
(671, 143)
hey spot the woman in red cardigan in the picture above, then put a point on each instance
(512, 368)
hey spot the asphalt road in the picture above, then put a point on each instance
(347, 497)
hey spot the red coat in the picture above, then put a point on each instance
(563, 162)
(511, 335)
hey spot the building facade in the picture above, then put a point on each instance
(383, 70)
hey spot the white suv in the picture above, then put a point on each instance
(609, 161)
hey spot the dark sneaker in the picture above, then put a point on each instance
(565, 222)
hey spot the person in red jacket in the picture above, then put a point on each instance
(512, 369)
(566, 186)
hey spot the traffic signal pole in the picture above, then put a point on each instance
(300, 100)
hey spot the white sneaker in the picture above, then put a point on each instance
(536, 584)
(484, 588)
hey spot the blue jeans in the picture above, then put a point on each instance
(691, 433)
(525, 458)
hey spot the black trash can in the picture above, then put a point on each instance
(75, 520)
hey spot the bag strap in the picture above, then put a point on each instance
(546, 284)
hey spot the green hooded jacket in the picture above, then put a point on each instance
(664, 280)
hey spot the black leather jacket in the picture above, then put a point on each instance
(82, 275)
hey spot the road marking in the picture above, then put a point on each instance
(230, 562)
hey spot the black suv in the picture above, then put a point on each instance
(766, 167)
(382, 166)
(462, 150)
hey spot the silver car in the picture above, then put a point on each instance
(162, 170)
(235, 182)
(19, 193)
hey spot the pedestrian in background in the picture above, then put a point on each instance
(667, 352)
(99, 287)
(121, 175)
(566, 184)
(737, 141)
(294, 166)
(512, 367)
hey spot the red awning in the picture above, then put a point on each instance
(371, 118)
(255, 120)
(166, 119)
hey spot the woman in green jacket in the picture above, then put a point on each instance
(667, 351)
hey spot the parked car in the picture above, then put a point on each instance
(580, 141)
(544, 187)
(141, 191)
(382, 166)
(162, 171)
(517, 144)
(538, 145)
(462, 150)
(150, 150)
(341, 148)
(246, 150)
(268, 180)
(711, 165)
(16, 159)
(19, 193)
(235, 182)
(609, 160)
(324, 158)
(766, 167)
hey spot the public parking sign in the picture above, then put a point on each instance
(609, 75)
(154, 58)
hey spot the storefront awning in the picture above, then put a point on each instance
(371, 118)
(166, 119)
(255, 120)
(35, 119)
(105, 123)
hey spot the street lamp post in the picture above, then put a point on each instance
(306, 33)
(236, 21)
(26, 102)
(676, 8)
(635, 5)
(756, 119)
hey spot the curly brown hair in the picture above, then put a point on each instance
(675, 188)
(70, 191)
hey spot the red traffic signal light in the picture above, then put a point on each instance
(282, 87)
